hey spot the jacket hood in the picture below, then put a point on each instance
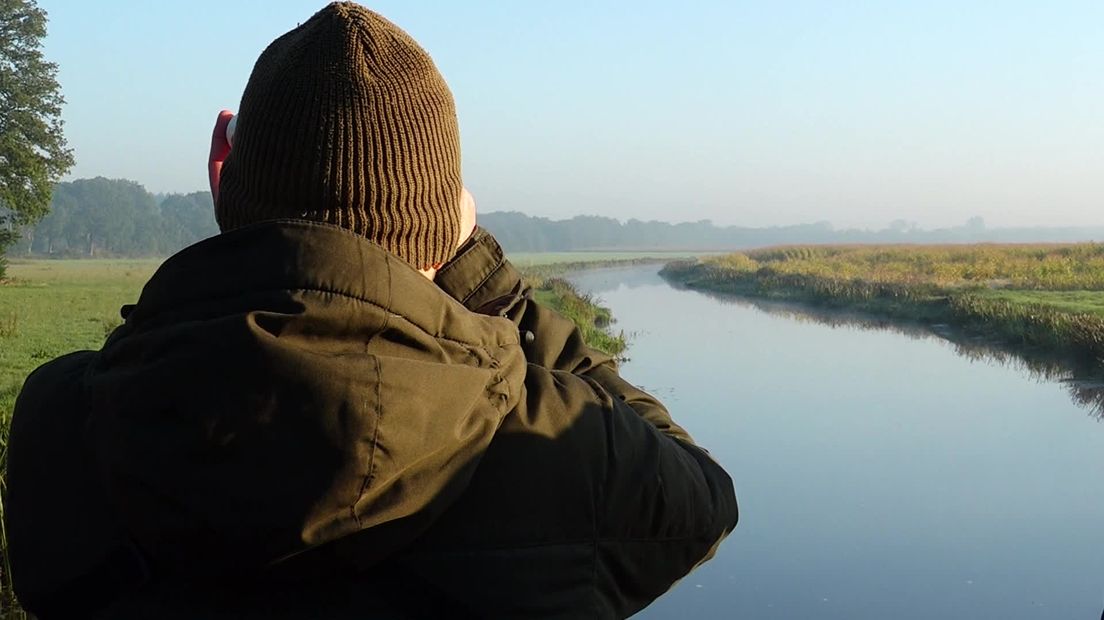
(291, 384)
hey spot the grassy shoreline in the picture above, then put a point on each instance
(1047, 298)
(593, 320)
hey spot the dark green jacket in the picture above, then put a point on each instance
(292, 422)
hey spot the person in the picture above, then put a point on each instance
(347, 404)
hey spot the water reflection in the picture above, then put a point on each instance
(1083, 381)
(879, 476)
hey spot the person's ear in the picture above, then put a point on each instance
(467, 227)
(467, 215)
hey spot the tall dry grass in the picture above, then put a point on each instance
(973, 286)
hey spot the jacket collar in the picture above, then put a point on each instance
(296, 255)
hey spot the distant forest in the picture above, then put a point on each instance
(522, 233)
(114, 217)
(120, 218)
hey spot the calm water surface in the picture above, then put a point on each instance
(879, 475)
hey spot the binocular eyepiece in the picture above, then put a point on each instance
(231, 127)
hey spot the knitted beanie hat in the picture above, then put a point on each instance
(346, 120)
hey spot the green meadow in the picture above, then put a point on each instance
(48, 308)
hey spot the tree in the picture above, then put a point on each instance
(33, 152)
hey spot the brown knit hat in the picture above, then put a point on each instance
(346, 120)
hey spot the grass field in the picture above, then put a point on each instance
(52, 307)
(1087, 302)
(1045, 297)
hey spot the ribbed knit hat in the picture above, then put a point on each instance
(346, 120)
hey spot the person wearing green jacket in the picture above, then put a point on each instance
(347, 404)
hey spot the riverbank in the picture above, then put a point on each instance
(1047, 298)
(594, 321)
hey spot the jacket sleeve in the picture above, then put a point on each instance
(481, 278)
(68, 553)
(663, 504)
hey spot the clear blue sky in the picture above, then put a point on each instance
(753, 113)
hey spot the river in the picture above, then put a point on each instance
(879, 474)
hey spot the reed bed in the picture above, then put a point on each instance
(1044, 296)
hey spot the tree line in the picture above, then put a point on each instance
(115, 217)
(120, 218)
(518, 232)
